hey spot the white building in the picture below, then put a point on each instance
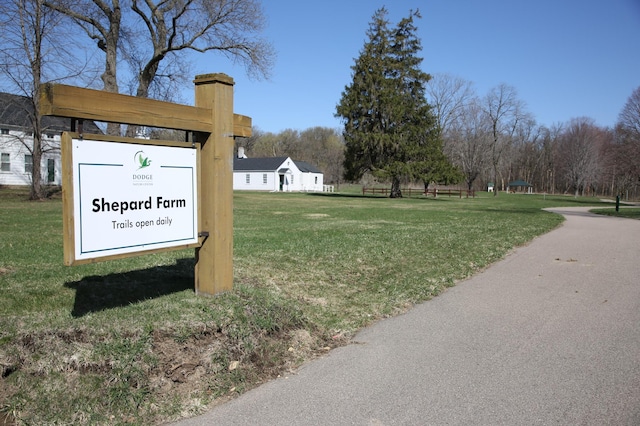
(16, 142)
(275, 174)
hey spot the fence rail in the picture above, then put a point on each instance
(435, 192)
(459, 192)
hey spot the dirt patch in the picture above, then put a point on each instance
(210, 361)
(182, 365)
(7, 419)
(191, 368)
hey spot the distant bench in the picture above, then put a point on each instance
(433, 192)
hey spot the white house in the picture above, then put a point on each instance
(16, 142)
(275, 174)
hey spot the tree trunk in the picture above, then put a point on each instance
(37, 192)
(395, 188)
(36, 174)
(109, 76)
(36, 72)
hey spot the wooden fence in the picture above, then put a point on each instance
(409, 192)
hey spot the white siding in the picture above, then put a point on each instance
(13, 144)
(292, 178)
(256, 180)
(312, 182)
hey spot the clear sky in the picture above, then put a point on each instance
(565, 58)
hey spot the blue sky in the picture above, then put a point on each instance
(565, 58)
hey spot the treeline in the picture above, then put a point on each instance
(494, 139)
(577, 157)
(321, 146)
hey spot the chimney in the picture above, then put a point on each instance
(241, 152)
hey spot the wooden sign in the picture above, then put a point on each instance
(127, 198)
(214, 124)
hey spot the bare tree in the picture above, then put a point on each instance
(101, 21)
(33, 52)
(324, 148)
(468, 142)
(526, 157)
(268, 144)
(173, 27)
(150, 33)
(624, 153)
(629, 118)
(249, 143)
(504, 111)
(448, 95)
(579, 150)
(549, 159)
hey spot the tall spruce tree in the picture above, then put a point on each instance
(389, 129)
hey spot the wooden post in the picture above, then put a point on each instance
(214, 259)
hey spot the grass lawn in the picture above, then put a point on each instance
(129, 342)
(626, 212)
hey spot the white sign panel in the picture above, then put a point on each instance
(132, 197)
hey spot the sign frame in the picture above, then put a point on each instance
(214, 125)
(71, 223)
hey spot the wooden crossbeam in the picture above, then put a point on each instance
(88, 104)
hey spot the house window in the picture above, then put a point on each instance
(4, 131)
(28, 163)
(291, 179)
(247, 179)
(264, 178)
(5, 163)
(316, 180)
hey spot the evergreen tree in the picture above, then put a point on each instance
(361, 102)
(389, 127)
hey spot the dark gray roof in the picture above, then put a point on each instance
(306, 167)
(258, 164)
(519, 183)
(269, 164)
(15, 111)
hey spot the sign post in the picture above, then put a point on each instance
(187, 201)
(214, 258)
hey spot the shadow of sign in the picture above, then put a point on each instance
(100, 292)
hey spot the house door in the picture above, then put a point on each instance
(281, 182)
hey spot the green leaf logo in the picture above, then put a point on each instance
(141, 160)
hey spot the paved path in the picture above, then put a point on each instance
(548, 336)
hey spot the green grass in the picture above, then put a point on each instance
(129, 342)
(626, 212)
